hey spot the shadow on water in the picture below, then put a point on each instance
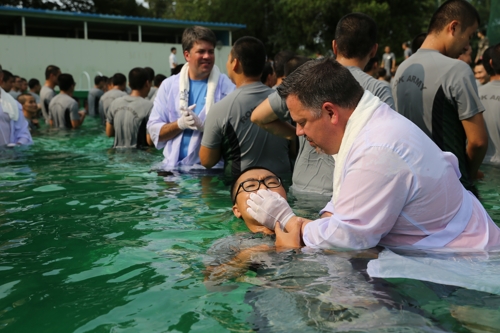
(92, 241)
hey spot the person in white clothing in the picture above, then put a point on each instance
(392, 185)
(183, 101)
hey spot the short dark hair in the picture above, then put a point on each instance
(486, 60)
(280, 59)
(234, 185)
(23, 79)
(119, 79)
(495, 58)
(251, 53)
(137, 78)
(51, 69)
(417, 42)
(172, 49)
(266, 71)
(32, 83)
(159, 79)
(295, 62)
(355, 35)
(23, 98)
(98, 79)
(65, 81)
(382, 72)
(460, 10)
(371, 63)
(151, 73)
(7, 75)
(320, 81)
(193, 34)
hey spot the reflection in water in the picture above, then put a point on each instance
(91, 241)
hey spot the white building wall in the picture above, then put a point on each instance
(29, 56)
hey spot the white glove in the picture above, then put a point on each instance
(186, 120)
(198, 124)
(267, 207)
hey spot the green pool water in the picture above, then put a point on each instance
(91, 241)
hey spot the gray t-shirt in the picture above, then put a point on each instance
(46, 95)
(242, 143)
(381, 89)
(407, 53)
(127, 114)
(387, 59)
(436, 93)
(151, 93)
(15, 94)
(490, 97)
(37, 97)
(63, 109)
(313, 172)
(106, 99)
(93, 99)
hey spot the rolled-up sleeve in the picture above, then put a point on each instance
(371, 198)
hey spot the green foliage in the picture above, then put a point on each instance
(306, 26)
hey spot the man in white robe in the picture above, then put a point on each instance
(14, 128)
(183, 101)
(392, 185)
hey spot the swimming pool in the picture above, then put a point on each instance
(91, 241)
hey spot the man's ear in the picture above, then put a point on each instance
(334, 47)
(186, 55)
(453, 27)
(332, 110)
(236, 211)
(373, 51)
(236, 66)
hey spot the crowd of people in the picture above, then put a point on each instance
(398, 148)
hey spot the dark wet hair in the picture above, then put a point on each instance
(51, 69)
(33, 83)
(119, 79)
(137, 78)
(234, 185)
(487, 56)
(268, 70)
(460, 10)
(294, 63)
(280, 59)
(495, 57)
(251, 53)
(159, 79)
(417, 42)
(355, 35)
(65, 81)
(98, 79)
(151, 73)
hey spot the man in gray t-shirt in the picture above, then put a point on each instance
(228, 131)
(95, 95)
(490, 97)
(354, 45)
(63, 109)
(128, 115)
(46, 95)
(47, 92)
(438, 92)
(388, 61)
(117, 90)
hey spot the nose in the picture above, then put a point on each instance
(299, 130)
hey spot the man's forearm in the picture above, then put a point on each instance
(475, 156)
(280, 128)
(169, 131)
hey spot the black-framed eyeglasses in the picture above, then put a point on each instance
(253, 185)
